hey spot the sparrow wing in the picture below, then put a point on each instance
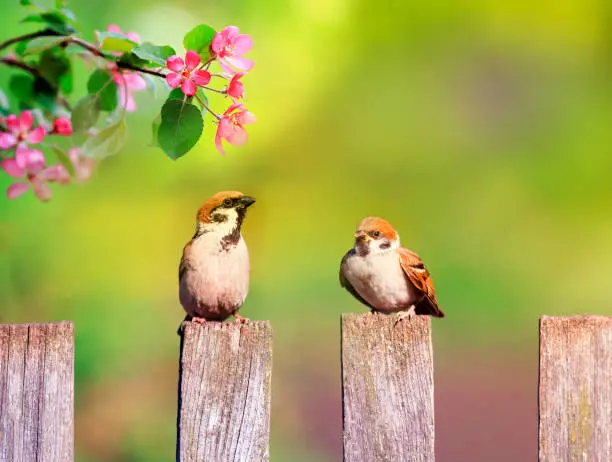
(346, 284)
(183, 266)
(418, 275)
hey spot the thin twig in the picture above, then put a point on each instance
(9, 61)
(206, 107)
(223, 92)
(22, 38)
(140, 69)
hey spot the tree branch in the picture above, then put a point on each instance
(20, 64)
(22, 38)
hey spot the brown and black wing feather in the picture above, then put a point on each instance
(419, 276)
(346, 284)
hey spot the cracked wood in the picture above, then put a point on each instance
(224, 392)
(575, 389)
(36, 392)
(387, 388)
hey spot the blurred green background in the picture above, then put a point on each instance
(481, 131)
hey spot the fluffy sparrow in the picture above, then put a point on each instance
(214, 270)
(388, 278)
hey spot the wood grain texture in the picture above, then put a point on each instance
(224, 392)
(575, 389)
(387, 388)
(37, 392)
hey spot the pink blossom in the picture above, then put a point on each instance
(229, 47)
(133, 36)
(185, 73)
(235, 89)
(128, 82)
(83, 166)
(19, 131)
(62, 126)
(231, 126)
(36, 177)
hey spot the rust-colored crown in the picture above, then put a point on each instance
(371, 224)
(215, 201)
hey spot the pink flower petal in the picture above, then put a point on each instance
(238, 137)
(226, 67)
(192, 60)
(134, 82)
(218, 42)
(244, 64)
(188, 87)
(36, 161)
(17, 189)
(246, 118)
(230, 33)
(200, 77)
(133, 36)
(225, 128)
(114, 28)
(42, 190)
(218, 140)
(56, 173)
(7, 140)
(36, 135)
(62, 126)
(25, 121)
(12, 168)
(130, 103)
(22, 155)
(242, 44)
(175, 63)
(12, 123)
(174, 80)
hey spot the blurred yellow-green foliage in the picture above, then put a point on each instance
(481, 130)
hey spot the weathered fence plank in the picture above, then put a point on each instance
(36, 392)
(224, 392)
(387, 388)
(575, 388)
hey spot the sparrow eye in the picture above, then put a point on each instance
(376, 234)
(227, 202)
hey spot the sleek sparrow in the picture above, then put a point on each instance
(214, 270)
(385, 276)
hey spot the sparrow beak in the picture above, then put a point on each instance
(246, 201)
(361, 236)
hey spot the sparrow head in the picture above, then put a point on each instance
(223, 213)
(375, 235)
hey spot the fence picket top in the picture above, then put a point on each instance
(387, 384)
(575, 388)
(37, 392)
(224, 392)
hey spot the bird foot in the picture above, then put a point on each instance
(239, 318)
(405, 314)
(195, 320)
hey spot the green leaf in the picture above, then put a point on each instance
(177, 93)
(131, 59)
(59, 3)
(52, 66)
(155, 129)
(180, 129)
(22, 87)
(85, 114)
(54, 20)
(199, 39)
(45, 95)
(42, 43)
(154, 53)
(62, 157)
(106, 143)
(111, 41)
(101, 83)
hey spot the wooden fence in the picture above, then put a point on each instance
(387, 390)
